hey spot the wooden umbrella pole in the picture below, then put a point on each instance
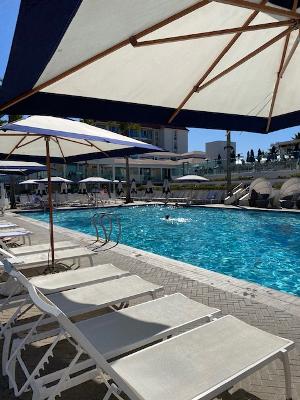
(128, 196)
(48, 163)
(228, 162)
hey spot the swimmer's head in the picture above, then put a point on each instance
(167, 216)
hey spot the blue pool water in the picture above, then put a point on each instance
(261, 247)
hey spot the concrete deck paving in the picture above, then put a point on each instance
(273, 311)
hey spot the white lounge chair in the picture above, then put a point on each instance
(15, 234)
(12, 228)
(38, 248)
(199, 364)
(115, 333)
(7, 225)
(42, 259)
(61, 281)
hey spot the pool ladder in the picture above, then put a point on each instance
(105, 224)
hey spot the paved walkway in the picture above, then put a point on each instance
(264, 308)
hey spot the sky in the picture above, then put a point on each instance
(197, 137)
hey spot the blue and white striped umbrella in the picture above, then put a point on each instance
(69, 141)
(37, 138)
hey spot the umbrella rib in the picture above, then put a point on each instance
(240, 29)
(17, 145)
(30, 141)
(105, 53)
(74, 141)
(248, 57)
(280, 71)
(291, 53)
(214, 64)
(57, 142)
(96, 147)
(261, 7)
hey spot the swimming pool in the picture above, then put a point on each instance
(261, 247)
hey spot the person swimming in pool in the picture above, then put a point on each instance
(167, 217)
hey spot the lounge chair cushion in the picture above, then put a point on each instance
(80, 277)
(101, 295)
(133, 326)
(38, 248)
(195, 362)
(60, 255)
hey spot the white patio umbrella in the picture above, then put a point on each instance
(191, 178)
(95, 180)
(37, 138)
(237, 62)
(21, 167)
(55, 179)
(29, 182)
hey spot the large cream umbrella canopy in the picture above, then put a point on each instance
(60, 140)
(226, 64)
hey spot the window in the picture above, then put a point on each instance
(114, 129)
(134, 133)
(175, 148)
(147, 134)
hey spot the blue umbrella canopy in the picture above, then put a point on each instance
(237, 62)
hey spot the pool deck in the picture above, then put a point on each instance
(271, 310)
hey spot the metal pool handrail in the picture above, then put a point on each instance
(98, 220)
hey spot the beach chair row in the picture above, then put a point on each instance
(165, 347)
(67, 200)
